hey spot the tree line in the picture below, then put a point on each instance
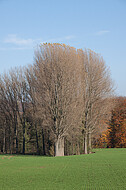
(115, 134)
(54, 106)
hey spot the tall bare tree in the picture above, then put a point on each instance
(8, 109)
(97, 88)
(57, 76)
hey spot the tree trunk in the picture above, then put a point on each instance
(10, 140)
(85, 144)
(4, 139)
(77, 149)
(37, 143)
(59, 147)
(43, 142)
(24, 137)
(16, 134)
(16, 141)
(89, 142)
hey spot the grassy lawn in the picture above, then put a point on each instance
(106, 169)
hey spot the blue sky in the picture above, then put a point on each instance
(99, 25)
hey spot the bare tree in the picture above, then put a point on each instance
(8, 109)
(34, 107)
(13, 97)
(57, 76)
(97, 89)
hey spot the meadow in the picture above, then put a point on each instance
(104, 169)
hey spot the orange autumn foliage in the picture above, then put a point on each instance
(115, 135)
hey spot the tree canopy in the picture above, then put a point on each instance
(56, 104)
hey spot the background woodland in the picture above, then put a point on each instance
(60, 105)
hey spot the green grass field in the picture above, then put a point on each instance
(105, 169)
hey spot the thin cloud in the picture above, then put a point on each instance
(13, 39)
(17, 43)
(102, 32)
(14, 48)
(69, 37)
(60, 39)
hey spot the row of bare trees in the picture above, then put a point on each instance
(56, 104)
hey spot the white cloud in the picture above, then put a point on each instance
(17, 43)
(13, 39)
(102, 32)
